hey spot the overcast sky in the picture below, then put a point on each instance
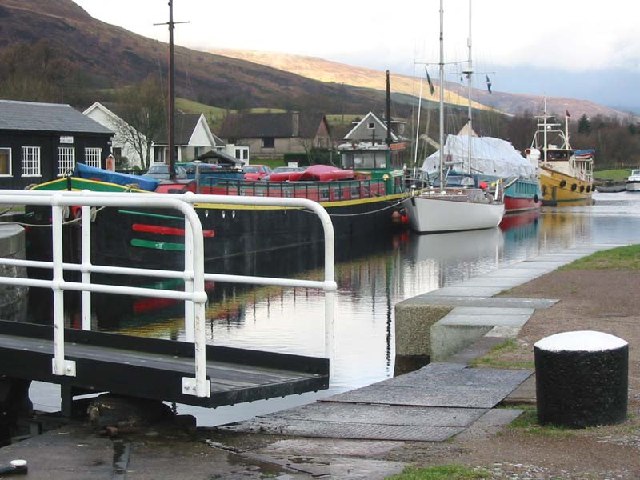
(582, 36)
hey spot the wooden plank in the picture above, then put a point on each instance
(157, 371)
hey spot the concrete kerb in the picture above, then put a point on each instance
(438, 324)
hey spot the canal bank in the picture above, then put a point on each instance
(77, 451)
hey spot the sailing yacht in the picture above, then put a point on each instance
(443, 208)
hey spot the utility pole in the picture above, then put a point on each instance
(172, 94)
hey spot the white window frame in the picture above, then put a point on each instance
(66, 160)
(93, 156)
(9, 173)
(31, 161)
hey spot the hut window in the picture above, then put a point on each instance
(5, 162)
(31, 161)
(66, 160)
(92, 156)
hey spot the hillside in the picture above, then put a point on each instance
(327, 71)
(109, 57)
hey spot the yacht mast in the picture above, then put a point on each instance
(441, 74)
(468, 73)
(544, 135)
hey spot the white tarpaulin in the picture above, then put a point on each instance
(490, 156)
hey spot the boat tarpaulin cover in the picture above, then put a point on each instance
(490, 156)
(86, 171)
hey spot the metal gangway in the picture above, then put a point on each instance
(84, 360)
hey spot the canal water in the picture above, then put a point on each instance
(372, 275)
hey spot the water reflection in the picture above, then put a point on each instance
(372, 275)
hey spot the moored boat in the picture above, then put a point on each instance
(633, 182)
(566, 175)
(443, 208)
(490, 160)
(145, 237)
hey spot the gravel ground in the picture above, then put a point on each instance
(601, 300)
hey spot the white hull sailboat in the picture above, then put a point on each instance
(451, 211)
(436, 210)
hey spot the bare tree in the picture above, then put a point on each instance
(142, 113)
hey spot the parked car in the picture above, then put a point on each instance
(160, 171)
(254, 173)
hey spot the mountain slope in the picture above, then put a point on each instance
(112, 56)
(327, 71)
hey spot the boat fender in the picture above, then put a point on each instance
(75, 213)
(573, 187)
(535, 198)
(581, 188)
(588, 188)
(563, 183)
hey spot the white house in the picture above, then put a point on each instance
(119, 147)
(192, 137)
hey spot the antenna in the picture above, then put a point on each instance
(172, 94)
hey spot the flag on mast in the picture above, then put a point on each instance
(431, 87)
(568, 115)
(488, 83)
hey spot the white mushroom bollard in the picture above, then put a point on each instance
(581, 379)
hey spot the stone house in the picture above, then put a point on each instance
(272, 135)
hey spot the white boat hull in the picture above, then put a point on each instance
(432, 214)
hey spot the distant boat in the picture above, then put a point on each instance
(443, 208)
(610, 187)
(633, 182)
(566, 175)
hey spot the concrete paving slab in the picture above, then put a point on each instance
(455, 396)
(497, 282)
(493, 311)
(345, 429)
(337, 412)
(458, 290)
(503, 302)
(512, 272)
(490, 423)
(484, 320)
(333, 467)
(323, 446)
(440, 385)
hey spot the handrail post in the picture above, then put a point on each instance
(60, 366)
(189, 280)
(86, 266)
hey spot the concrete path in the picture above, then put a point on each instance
(442, 399)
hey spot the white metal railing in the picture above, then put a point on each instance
(194, 276)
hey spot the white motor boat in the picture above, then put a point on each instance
(633, 182)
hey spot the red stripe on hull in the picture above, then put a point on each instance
(512, 204)
(161, 230)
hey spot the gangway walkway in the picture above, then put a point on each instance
(189, 372)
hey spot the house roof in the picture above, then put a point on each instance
(183, 124)
(51, 117)
(222, 157)
(277, 125)
(360, 132)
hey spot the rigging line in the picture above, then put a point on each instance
(393, 205)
